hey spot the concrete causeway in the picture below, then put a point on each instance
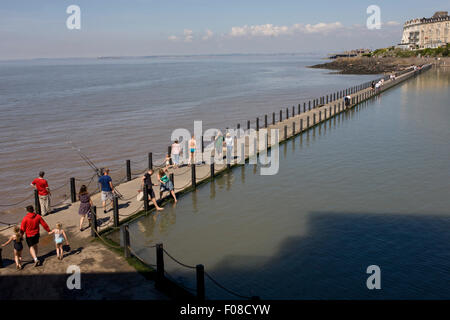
(100, 264)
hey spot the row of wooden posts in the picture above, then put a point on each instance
(312, 104)
(307, 106)
(337, 108)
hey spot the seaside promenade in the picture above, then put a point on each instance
(95, 259)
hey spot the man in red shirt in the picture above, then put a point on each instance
(41, 185)
(30, 227)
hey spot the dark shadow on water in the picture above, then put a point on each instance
(330, 260)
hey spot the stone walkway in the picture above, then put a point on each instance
(101, 265)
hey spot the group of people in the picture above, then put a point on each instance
(30, 228)
(173, 159)
(377, 85)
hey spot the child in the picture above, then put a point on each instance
(165, 184)
(167, 161)
(18, 246)
(60, 236)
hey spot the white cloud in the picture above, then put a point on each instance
(208, 34)
(392, 23)
(188, 35)
(270, 30)
(173, 38)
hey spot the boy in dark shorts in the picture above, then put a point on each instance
(30, 227)
(147, 183)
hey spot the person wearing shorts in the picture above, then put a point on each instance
(147, 183)
(30, 226)
(165, 184)
(107, 188)
(192, 146)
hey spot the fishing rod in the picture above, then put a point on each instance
(98, 171)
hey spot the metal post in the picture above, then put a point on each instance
(320, 115)
(212, 167)
(285, 132)
(287, 113)
(37, 203)
(299, 108)
(309, 105)
(200, 282)
(281, 115)
(1, 260)
(94, 221)
(145, 191)
(314, 119)
(301, 125)
(116, 210)
(203, 147)
(193, 178)
(307, 122)
(172, 178)
(304, 107)
(128, 165)
(159, 264)
(150, 160)
(248, 124)
(126, 241)
(169, 152)
(265, 121)
(273, 117)
(293, 128)
(293, 111)
(73, 192)
(257, 124)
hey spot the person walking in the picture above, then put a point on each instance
(18, 246)
(85, 206)
(41, 185)
(60, 236)
(176, 150)
(107, 188)
(147, 183)
(192, 147)
(30, 226)
(165, 184)
(229, 142)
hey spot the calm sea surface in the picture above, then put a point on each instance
(122, 109)
(370, 187)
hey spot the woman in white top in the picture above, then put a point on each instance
(229, 142)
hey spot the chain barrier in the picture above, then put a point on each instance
(105, 242)
(179, 174)
(203, 178)
(134, 212)
(140, 259)
(17, 203)
(186, 185)
(180, 263)
(225, 289)
(177, 282)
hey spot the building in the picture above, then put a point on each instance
(426, 32)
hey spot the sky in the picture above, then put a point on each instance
(37, 28)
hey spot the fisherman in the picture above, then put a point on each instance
(107, 188)
(41, 185)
